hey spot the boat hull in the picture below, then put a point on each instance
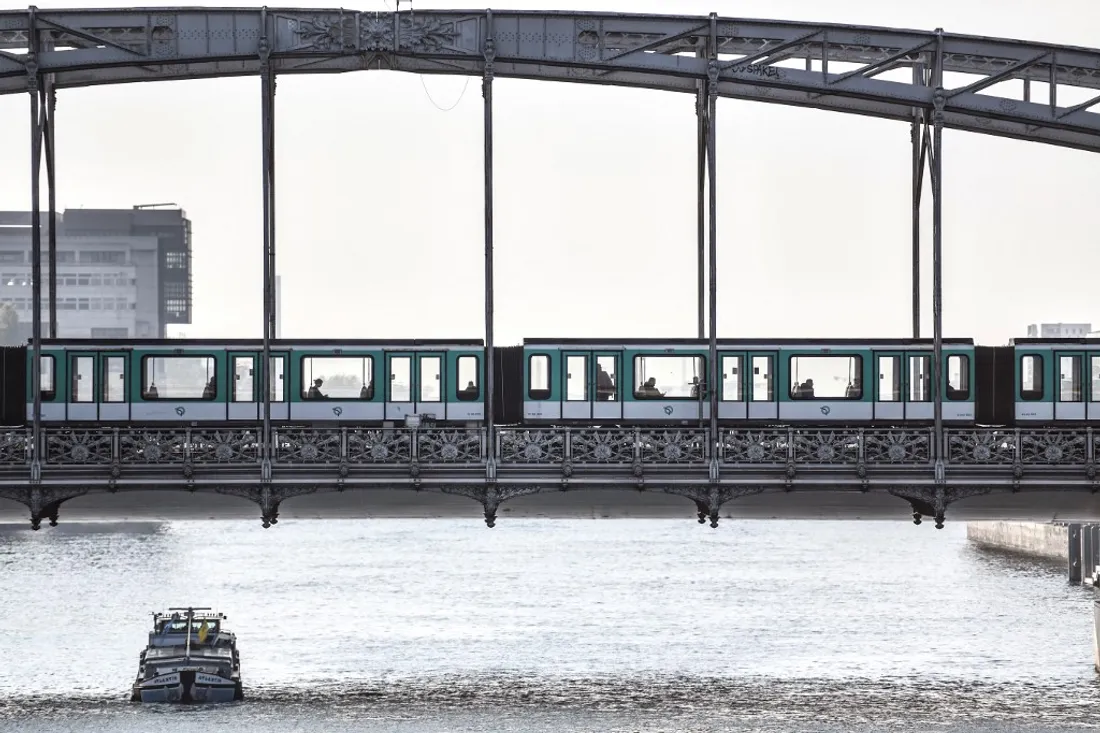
(188, 687)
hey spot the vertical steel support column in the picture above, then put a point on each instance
(712, 170)
(939, 100)
(701, 137)
(918, 181)
(267, 112)
(48, 100)
(33, 82)
(487, 95)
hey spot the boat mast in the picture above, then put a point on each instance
(190, 618)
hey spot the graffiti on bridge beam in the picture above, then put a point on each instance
(764, 71)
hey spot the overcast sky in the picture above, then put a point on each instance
(379, 210)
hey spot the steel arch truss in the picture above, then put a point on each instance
(842, 66)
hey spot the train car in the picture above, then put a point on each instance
(205, 381)
(1057, 381)
(800, 381)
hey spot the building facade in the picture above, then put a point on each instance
(1059, 330)
(121, 273)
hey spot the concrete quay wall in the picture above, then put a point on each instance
(1034, 539)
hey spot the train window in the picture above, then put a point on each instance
(431, 372)
(826, 377)
(731, 379)
(46, 382)
(958, 377)
(114, 379)
(576, 378)
(243, 379)
(277, 385)
(1095, 364)
(1031, 377)
(178, 378)
(668, 377)
(920, 378)
(889, 378)
(607, 388)
(1070, 383)
(342, 377)
(538, 368)
(468, 388)
(83, 378)
(763, 386)
(400, 379)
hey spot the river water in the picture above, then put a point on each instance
(550, 625)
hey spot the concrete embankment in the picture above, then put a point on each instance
(1034, 539)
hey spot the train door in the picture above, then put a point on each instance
(114, 386)
(399, 387)
(245, 386)
(762, 378)
(918, 386)
(1069, 398)
(83, 403)
(889, 380)
(430, 385)
(1094, 387)
(577, 400)
(607, 391)
(733, 399)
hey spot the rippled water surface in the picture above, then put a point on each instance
(551, 625)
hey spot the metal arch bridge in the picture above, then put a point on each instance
(842, 68)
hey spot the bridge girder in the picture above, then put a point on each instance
(93, 47)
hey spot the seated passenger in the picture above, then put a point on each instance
(605, 387)
(695, 388)
(806, 390)
(367, 392)
(469, 392)
(855, 389)
(315, 391)
(211, 389)
(151, 393)
(649, 389)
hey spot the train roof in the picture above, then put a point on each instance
(1056, 341)
(130, 343)
(649, 341)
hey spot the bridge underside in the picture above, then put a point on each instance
(169, 505)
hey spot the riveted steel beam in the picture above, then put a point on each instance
(93, 47)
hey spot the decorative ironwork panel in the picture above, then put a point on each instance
(384, 445)
(305, 445)
(1054, 447)
(13, 447)
(225, 446)
(981, 446)
(531, 446)
(826, 446)
(674, 446)
(897, 447)
(153, 446)
(437, 445)
(76, 447)
(609, 445)
(769, 445)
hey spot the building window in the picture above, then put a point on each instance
(178, 378)
(175, 260)
(340, 377)
(103, 257)
(11, 256)
(468, 387)
(668, 377)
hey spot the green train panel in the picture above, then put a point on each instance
(206, 381)
(1056, 380)
(659, 381)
